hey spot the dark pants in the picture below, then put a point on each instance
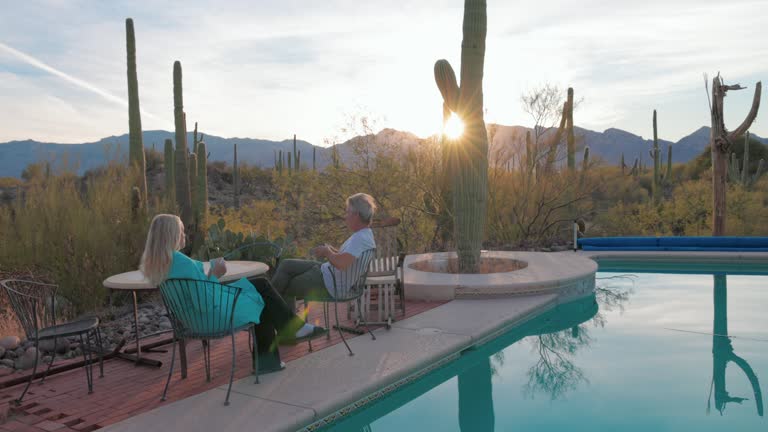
(299, 278)
(277, 316)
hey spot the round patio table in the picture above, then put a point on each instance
(135, 281)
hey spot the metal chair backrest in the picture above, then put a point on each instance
(386, 260)
(200, 309)
(33, 303)
(350, 283)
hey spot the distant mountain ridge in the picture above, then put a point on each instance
(608, 145)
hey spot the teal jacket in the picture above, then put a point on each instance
(249, 303)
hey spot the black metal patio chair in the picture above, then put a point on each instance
(348, 287)
(204, 310)
(34, 304)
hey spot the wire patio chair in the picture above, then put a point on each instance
(347, 287)
(34, 304)
(204, 310)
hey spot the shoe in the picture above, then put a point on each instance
(316, 332)
(273, 368)
(269, 364)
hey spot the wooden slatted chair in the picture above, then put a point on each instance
(384, 283)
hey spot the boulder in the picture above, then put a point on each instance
(8, 362)
(27, 360)
(10, 342)
(2, 352)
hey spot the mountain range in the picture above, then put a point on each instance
(608, 145)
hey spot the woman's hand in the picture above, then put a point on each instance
(219, 268)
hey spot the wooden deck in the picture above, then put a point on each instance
(63, 404)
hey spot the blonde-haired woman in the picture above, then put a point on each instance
(163, 260)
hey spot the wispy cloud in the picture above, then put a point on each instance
(26, 58)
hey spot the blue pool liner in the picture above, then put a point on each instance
(725, 244)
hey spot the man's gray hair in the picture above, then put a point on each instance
(364, 205)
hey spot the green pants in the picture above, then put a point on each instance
(295, 278)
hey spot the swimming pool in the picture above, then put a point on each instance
(637, 355)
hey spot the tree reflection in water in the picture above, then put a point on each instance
(558, 342)
(722, 353)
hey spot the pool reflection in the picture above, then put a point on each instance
(722, 354)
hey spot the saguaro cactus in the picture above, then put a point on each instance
(741, 175)
(193, 183)
(236, 181)
(290, 163)
(296, 155)
(183, 195)
(656, 156)
(136, 155)
(470, 186)
(168, 165)
(584, 164)
(668, 175)
(569, 135)
(314, 158)
(720, 144)
(201, 205)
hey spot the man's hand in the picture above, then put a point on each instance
(321, 251)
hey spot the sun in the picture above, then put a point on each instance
(454, 127)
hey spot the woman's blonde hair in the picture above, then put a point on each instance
(163, 239)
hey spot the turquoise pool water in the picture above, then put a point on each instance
(639, 355)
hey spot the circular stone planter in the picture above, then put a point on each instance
(425, 276)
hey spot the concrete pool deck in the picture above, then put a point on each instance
(314, 389)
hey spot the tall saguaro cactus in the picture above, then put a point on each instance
(236, 181)
(470, 186)
(656, 156)
(569, 135)
(668, 175)
(201, 195)
(742, 175)
(296, 155)
(183, 194)
(136, 156)
(720, 142)
(168, 167)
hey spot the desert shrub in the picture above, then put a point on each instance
(77, 232)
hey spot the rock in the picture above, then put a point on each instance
(46, 359)
(143, 319)
(27, 360)
(2, 352)
(20, 351)
(62, 345)
(10, 342)
(7, 362)
(165, 323)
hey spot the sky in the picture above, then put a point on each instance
(271, 69)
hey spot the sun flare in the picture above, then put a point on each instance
(454, 127)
